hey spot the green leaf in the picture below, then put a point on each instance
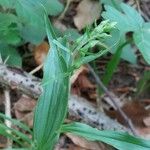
(4, 132)
(53, 7)
(113, 63)
(124, 19)
(30, 14)
(143, 84)
(33, 33)
(116, 41)
(121, 141)
(7, 19)
(72, 34)
(19, 149)
(141, 39)
(14, 135)
(113, 3)
(10, 36)
(111, 66)
(7, 3)
(14, 59)
(16, 122)
(9, 33)
(120, 49)
(52, 105)
(91, 38)
(128, 54)
(87, 59)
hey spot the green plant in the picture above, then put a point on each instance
(128, 21)
(21, 22)
(61, 61)
(20, 138)
(143, 84)
(51, 109)
(113, 3)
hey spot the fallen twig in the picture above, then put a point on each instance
(18, 79)
(147, 13)
(87, 112)
(100, 83)
(8, 113)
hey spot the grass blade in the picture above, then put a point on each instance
(14, 135)
(17, 123)
(121, 141)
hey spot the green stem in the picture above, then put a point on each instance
(65, 10)
(112, 65)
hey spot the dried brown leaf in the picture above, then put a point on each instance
(83, 143)
(28, 119)
(77, 73)
(23, 107)
(146, 121)
(40, 52)
(87, 12)
(25, 104)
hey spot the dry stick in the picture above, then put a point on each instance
(147, 11)
(145, 16)
(36, 69)
(85, 111)
(8, 113)
(100, 83)
(20, 80)
(68, 2)
(138, 5)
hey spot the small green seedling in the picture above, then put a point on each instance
(128, 21)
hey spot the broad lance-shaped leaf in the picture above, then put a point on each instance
(14, 135)
(89, 58)
(125, 23)
(113, 3)
(124, 18)
(53, 7)
(52, 105)
(30, 15)
(141, 39)
(127, 51)
(121, 141)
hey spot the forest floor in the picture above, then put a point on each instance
(125, 84)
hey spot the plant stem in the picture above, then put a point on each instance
(100, 83)
(113, 63)
(65, 10)
(36, 69)
(8, 113)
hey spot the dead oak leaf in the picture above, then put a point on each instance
(135, 110)
(77, 73)
(82, 85)
(144, 132)
(87, 12)
(28, 119)
(146, 121)
(25, 104)
(40, 52)
(83, 143)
